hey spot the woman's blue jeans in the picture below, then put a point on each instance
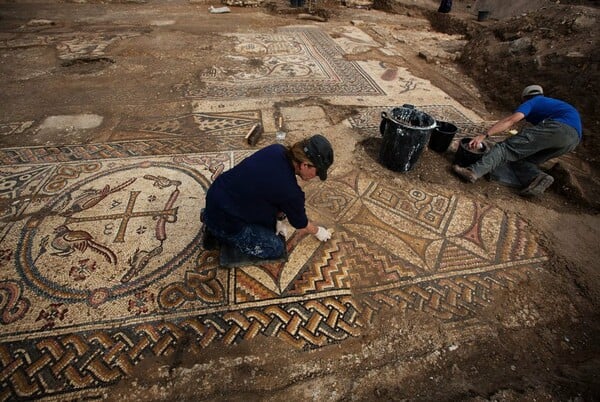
(254, 240)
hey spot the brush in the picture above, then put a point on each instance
(254, 134)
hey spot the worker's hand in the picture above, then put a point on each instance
(475, 143)
(281, 229)
(323, 234)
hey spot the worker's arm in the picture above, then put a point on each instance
(500, 126)
(310, 228)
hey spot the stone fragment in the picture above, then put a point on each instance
(520, 45)
(311, 17)
(39, 22)
(583, 23)
(427, 56)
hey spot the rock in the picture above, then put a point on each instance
(510, 36)
(242, 3)
(427, 56)
(219, 10)
(359, 3)
(583, 23)
(311, 17)
(520, 45)
(39, 23)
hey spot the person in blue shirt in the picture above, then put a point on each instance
(245, 206)
(555, 130)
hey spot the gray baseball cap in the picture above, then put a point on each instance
(532, 90)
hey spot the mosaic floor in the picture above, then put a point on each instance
(296, 61)
(101, 264)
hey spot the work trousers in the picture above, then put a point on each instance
(529, 148)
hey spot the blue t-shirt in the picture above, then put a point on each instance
(254, 191)
(540, 108)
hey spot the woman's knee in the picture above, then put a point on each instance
(260, 243)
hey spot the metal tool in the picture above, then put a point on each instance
(280, 134)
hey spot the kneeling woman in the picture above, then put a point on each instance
(244, 204)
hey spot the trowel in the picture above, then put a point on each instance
(280, 134)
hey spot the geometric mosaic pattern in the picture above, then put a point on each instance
(14, 128)
(294, 61)
(218, 130)
(100, 266)
(117, 149)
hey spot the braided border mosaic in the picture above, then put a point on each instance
(101, 265)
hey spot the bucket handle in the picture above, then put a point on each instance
(383, 124)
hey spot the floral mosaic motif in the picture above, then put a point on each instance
(6, 255)
(142, 302)
(83, 269)
(50, 316)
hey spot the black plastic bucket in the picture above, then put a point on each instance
(406, 132)
(483, 15)
(442, 136)
(465, 156)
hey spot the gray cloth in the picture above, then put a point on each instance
(506, 175)
(522, 153)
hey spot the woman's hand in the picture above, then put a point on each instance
(319, 232)
(323, 234)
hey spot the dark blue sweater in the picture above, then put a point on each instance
(254, 191)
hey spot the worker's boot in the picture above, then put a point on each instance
(465, 173)
(538, 185)
(209, 241)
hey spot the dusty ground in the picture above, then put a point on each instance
(538, 342)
